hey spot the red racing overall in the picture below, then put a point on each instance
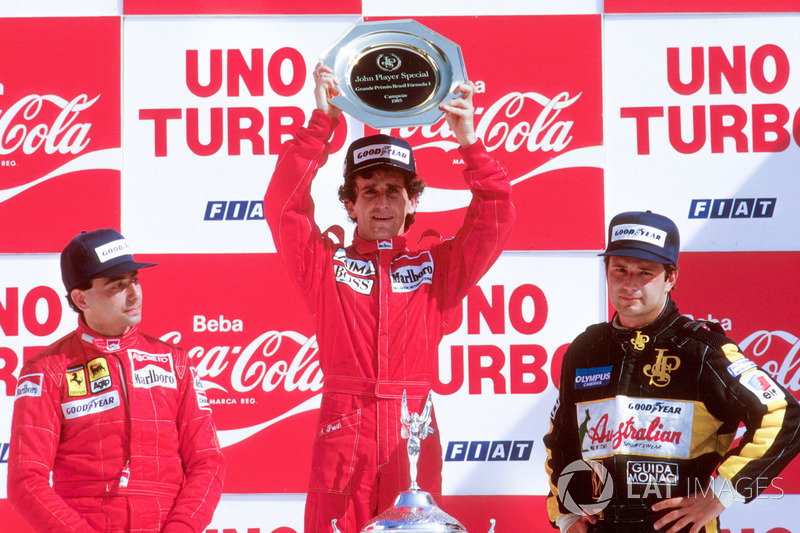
(379, 309)
(125, 428)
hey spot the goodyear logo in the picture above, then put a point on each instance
(234, 210)
(733, 208)
(498, 450)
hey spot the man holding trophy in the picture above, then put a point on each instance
(380, 304)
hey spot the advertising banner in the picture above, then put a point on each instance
(33, 314)
(700, 6)
(204, 121)
(243, 7)
(702, 126)
(59, 130)
(539, 112)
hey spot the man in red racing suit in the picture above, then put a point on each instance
(122, 423)
(379, 308)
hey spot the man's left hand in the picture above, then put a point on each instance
(698, 509)
(460, 113)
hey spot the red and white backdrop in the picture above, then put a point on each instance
(163, 120)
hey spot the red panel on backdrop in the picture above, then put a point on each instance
(243, 7)
(251, 338)
(59, 130)
(755, 296)
(540, 113)
(700, 6)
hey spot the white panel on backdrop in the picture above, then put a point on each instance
(499, 393)
(207, 102)
(701, 124)
(411, 8)
(60, 8)
(258, 512)
(35, 314)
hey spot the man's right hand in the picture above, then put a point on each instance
(324, 89)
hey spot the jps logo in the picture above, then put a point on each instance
(659, 371)
(640, 341)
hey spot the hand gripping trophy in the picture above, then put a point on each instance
(414, 511)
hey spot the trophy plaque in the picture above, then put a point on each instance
(414, 511)
(394, 73)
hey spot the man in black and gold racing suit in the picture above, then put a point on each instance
(650, 403)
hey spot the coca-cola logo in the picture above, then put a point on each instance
(526, 122)
(517, 120)
(28, 125)
(777, 353)
(283, 364)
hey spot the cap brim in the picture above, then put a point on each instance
(638, 254)
(123, 268)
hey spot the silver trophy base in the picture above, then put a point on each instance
(414, 511)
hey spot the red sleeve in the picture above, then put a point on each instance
(486, 228)
(288, 206)
(35, 434)
(203, 462)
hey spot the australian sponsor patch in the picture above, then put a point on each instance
(357, 274)
(99, 375)
(640, 426)
(29, 385)
(587, 378)
(76, 382)
(91, 405)
(409, 273)
(152, 370)
(652, 473)
(760, 384)
(740, 366)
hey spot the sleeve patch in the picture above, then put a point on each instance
(29, 385)
(740, 366)
(760, 384)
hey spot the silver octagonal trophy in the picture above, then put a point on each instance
(394, 73)
(414, 511)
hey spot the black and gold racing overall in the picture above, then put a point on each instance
(659, 408)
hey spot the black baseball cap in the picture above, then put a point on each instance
(379, 150)
(644, 235)
(94, 254)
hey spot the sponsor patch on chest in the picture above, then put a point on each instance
(91, 405)
(357, 274)
(152, 370)
(587, 378)
(99, 375)
(29, 385)
(76, 381)
(409, 273)
(641, 426)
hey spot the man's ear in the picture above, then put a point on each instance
(673, 279)
(351, 210)
(79, 299)
(413, 208)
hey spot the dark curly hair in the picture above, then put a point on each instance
(414, 186)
